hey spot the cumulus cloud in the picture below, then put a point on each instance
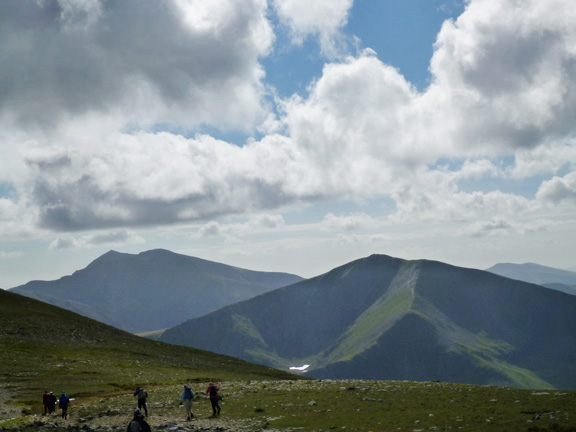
(97, 91)
(145, 62)
(506, 71)
(320, 18)
(559, 189)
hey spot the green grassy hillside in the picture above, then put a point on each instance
(45, 347)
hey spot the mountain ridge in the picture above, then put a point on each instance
(152, 290)
(409, 320)
(550, 277)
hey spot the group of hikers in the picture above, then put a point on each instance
(138, 424)
(49, 400)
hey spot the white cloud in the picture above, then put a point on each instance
(97, 91)
(235, 231)
(321, 18)
(142, 62)
(559, 189)
(11, 255)
(505, 69)
(350, 222)
(112, 238)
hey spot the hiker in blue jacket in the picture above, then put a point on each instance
(186, 400)
(63, 403)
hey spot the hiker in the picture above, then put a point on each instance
(52, 404)
(46, 402)
(138, 424)
(142, 395)
(186, 400)
(212, 390)
(63, 403)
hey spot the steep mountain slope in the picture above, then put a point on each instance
(562, 280)
(46, 347)
(386, 318)
(152, 290)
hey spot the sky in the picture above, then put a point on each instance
(286, 135)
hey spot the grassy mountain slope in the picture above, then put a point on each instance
(385, 318)
(45, 347)
(152, 290)
(99, 366)
(538, 274)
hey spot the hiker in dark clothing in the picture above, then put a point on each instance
(52, 404)
(138, 424)
(46, 402)
(142, 395)
(63, 403)
(212, 390)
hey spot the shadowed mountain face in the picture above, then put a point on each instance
(561, 280)
(386, 318)
(152, 290)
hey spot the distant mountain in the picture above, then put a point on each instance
(562, 280)
(152, 290)
(386, 318)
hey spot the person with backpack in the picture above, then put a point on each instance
(52, 404)
(212, 390)
(64, 403)
(186, 400)
(138, 424)
(46, 402)
(142, 395)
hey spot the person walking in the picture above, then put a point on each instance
(138, 424)
(46, 402)
(186, 400)
(52, 404)
(64, 403)
(142, 395)
(212, 390)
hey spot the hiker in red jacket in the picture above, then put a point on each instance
(212, 390)
(46, 402)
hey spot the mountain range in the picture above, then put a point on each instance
(387, 318)
(561, 280)
(152, 290)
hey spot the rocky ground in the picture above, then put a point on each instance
(315, 406)
(114, 413)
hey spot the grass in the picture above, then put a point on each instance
(44, 347)
(349, 405)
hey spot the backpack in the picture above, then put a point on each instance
(142, 394)
(213, 391)
(188, 394)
